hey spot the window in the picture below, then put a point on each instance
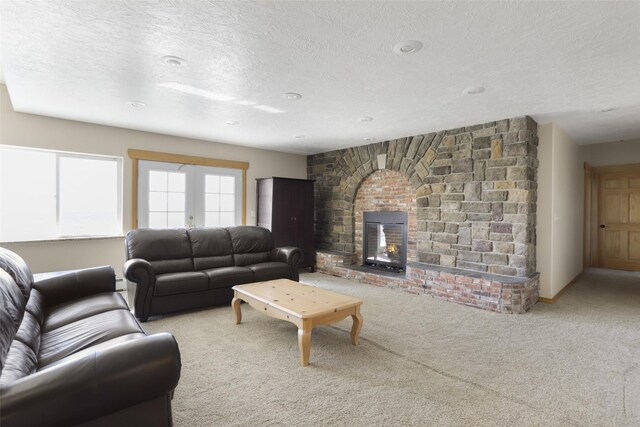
(50, 195)
(166, 199)
(220, 200)
(183, 195)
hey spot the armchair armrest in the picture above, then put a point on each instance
(95, 385)
(140, 272)
(289, 254)
(76, 284)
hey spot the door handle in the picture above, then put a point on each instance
(602, 226)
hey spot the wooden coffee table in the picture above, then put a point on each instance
(304, 306)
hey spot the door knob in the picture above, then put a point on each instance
(602, 226)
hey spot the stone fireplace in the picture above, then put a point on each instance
(384, 242)
(470, 198)
(385, 191)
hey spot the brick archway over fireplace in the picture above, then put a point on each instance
(386, 190)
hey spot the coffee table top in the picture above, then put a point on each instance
(296, 299)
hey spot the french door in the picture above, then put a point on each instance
(173, 195)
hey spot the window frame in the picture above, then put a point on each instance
(70, 154)
(137, 155)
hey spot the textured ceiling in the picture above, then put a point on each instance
(555, 61)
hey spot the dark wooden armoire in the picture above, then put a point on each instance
(285, 206)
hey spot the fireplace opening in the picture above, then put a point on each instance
(385, 240)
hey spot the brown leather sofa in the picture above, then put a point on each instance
(177, 269)
(72, 353)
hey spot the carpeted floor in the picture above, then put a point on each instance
(420, 361)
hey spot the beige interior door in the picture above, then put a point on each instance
(619, 221)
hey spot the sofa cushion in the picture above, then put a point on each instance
(211, 248)
(99, 347)
(251, 245)
(180, 283)
(251, 258)
(13, 264)
(84, 333)
(270, 271)
(29, 332)
(21, 361)
(168, 251)
(229, 276)
(63, 314)
(12, 304)
(35, 305)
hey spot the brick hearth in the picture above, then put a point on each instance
(491, 292)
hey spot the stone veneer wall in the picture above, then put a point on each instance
(475, 188)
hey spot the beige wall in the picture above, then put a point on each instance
(544, 208)
(560, 209)
(50, 133)
(612, 153)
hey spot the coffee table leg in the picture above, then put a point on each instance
(304, 342)
(235, 304)
(357, 324)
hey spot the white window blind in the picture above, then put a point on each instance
(48, 195)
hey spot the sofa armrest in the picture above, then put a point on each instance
(289, 254)
(95, 385)
(292, 256)
(140, 272)
(75, 284)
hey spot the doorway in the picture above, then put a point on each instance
(186, 191)
(181, 195)
(612, 217)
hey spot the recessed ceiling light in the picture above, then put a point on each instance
(268, 109)
(174, 61)
(231, 122)
(607, 109)
(365, 119)
(197, 91)
(292, 95)
(300, 136)
(473, 90)
(406, 47)
(136, 104)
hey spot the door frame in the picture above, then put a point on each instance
(592, 201)
(136, 155)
